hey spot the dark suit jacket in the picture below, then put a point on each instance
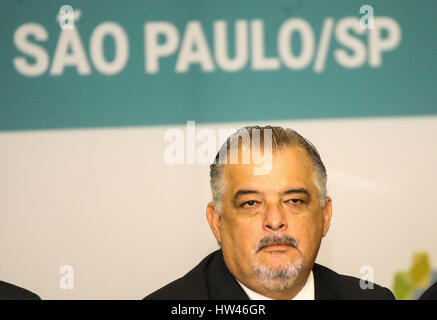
(430, 293)
(10, 292)
(211, 279)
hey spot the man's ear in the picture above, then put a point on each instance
(214, 220)
(327, 213)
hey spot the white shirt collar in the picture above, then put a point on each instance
(306, 293)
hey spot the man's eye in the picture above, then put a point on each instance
(248, 204)
(296, 201)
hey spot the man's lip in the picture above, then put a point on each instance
(277, 246)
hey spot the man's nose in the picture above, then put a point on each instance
(274, 219)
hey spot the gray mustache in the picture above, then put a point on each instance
(276, 239)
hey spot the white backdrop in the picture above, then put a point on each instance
(105, 202)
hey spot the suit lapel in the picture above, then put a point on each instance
(223, 286)
(324, 289)
(221, 283)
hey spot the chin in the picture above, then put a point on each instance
(278, 275)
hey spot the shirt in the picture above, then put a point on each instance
(306, 293)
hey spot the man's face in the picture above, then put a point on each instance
(271, 223)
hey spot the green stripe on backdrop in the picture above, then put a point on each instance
(403, 83)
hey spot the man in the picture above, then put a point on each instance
(269, 222)
(430, 293)
(11, 292)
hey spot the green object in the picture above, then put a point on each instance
(402, 287)
(417, 278)
(420, 271)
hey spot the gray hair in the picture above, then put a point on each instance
(279, 279)
(280, 139)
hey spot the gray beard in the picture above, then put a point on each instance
(279, 278)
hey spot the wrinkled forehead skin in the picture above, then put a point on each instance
(290, 167)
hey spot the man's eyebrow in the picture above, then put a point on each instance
(243, 192)
(298, 190)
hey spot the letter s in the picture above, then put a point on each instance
(24, 45)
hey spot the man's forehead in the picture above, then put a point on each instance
(290, 165)
(289, 156)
